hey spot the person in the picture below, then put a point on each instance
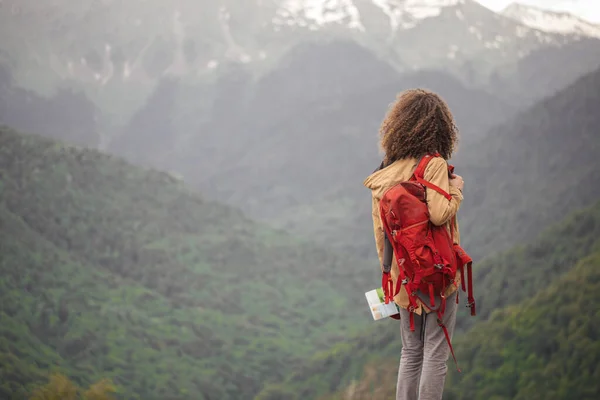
(420, 123)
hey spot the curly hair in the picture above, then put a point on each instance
(419, 122)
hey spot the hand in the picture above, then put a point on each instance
(457, 181)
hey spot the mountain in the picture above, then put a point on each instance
(551, 21)
(65, 115)
(106, 46)
(111, 271)
(244, 109)
(520, 174)
(278, 148)
(525, 174)
(366, 366)
(544, 72)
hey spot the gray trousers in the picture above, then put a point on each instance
(423, 368)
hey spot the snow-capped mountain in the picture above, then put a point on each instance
(108, 43)
(551, 21)
(314, 14)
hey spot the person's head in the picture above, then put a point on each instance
(419, 122)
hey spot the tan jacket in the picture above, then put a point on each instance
(441, 209)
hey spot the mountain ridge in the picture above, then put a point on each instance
(228, 32)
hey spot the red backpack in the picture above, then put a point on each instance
(426, 254)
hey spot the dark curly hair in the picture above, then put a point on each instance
(419, 122)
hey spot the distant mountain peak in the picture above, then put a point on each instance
(405, 14)
(316, 13)
(551, 21)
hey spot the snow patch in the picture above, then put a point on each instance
(522, 31)
(408, 13)
(551, 21)
(317, 13)
(421, 9)
(475, 31)
(234, 51)
(452, 52)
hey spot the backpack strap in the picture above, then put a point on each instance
(419, 175)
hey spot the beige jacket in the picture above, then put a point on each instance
(441, 209)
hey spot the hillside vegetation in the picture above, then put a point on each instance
(547, 347)
(368, 363)
(110, 271)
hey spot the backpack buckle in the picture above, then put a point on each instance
(439, 266)
(405, 281)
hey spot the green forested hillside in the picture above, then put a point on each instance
(546, 348)
(113, 271)
(368, 363)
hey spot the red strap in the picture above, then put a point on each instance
(388, 286)
(465, 259)
(431, 296)
(398, 284)
(412, 321)
(470, 298)
(441, 324)
(434, 187)
(443, 305)
(419, 175)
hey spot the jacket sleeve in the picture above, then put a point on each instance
(378, 231)
(441, 210)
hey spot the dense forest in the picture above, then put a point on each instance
(534, 302)
(111, 271)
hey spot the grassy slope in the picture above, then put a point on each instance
(110, 270)
(504, 280)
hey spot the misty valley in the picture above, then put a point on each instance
(182, 214)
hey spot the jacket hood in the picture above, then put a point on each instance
(382, 179)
